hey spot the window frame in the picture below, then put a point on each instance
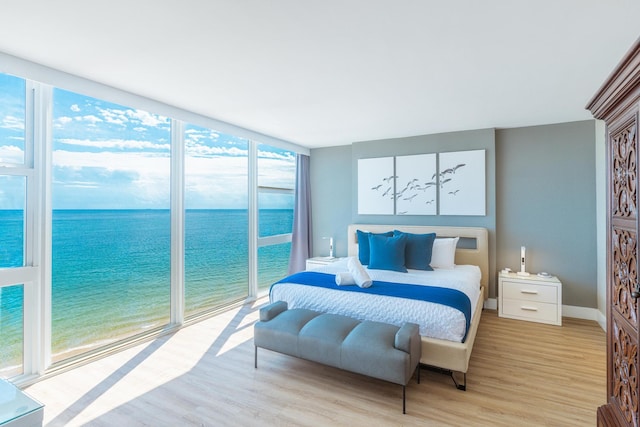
(35, 275)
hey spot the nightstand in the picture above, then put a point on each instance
(319, 261)
(533, 298)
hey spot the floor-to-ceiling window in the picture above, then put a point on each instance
(91, 198)
(110, 223)
(216, 219)
(13, 204)
(276, 194)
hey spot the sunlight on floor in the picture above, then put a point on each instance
(121, 381)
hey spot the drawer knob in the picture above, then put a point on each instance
(529, 308)
(524, 291)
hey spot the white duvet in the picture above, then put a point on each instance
(435, 320)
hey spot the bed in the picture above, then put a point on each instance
(447, 335)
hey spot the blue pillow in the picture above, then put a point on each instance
(387, 253)
(363, 244)
(417, 254)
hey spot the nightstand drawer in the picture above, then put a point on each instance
(530, 310)
(530, 292)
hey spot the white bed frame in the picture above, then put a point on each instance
(446, 355)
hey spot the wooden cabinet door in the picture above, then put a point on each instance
(622, 270)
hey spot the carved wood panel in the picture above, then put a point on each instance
(625, 273)
(618, 104)
(625, 372)
(624, 172)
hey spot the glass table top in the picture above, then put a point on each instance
(14, 403)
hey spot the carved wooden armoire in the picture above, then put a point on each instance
(618, 104)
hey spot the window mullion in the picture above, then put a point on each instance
(253, 219)
(177, 222)
(38, 234)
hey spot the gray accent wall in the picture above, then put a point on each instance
(540, 194)
(329, 181)
(546, 185)
(330, 174)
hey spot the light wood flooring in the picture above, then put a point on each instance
(521, 374)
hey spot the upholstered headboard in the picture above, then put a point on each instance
(478, 255)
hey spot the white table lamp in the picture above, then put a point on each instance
(523, 266)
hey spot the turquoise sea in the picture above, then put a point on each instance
(111, 271)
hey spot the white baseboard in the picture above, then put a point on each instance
(576, 312)
(602, 321)
(585, 313)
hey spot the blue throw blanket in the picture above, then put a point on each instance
(445, 296)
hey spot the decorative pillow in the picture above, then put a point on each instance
(363, 244)
(387, 253)
(417, 253)
(444, 253)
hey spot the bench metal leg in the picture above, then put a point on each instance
(255, 357)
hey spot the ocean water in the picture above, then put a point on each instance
(111, 271)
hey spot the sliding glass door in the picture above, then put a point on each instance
(216, 219)
(111, 223)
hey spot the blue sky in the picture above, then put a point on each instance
(108, 156)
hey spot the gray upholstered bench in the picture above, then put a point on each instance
(376, 349)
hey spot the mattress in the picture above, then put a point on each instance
(435, 320)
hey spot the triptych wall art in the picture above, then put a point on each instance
(424, 184)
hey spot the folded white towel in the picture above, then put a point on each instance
(358, 272)
(344, 279)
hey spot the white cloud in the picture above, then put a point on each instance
(114, 116)
(80, 184)
(61, 121)
(75, 108)
(271, 155)
(116, 143)
(146, 118)
(89, 118)
(11, 154)
(204, 150)
(218, 182)
(149, 185)
(198, 134)
(12, 122)
(276, 173)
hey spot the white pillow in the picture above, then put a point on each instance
(443, 254)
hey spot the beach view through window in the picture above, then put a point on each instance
(111, 221)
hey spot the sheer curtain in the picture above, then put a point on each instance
(301, 237)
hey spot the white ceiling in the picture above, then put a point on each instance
(332, 72)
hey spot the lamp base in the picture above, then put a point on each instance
(522, 273)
